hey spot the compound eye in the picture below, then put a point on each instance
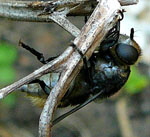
(127, 53)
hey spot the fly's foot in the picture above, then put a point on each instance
(121, 14)
(49, 9)
(77, 49)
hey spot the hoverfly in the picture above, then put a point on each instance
(108, 71)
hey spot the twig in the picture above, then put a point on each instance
(29, 11)
(65, 24)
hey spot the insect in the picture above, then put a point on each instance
(108, 71)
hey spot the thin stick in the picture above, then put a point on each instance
(65, 24)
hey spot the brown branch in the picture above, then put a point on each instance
(91, 35)
(29, 11)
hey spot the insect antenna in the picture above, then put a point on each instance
(132, 34)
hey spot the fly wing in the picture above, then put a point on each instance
(35, 89)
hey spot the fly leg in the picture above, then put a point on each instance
(42, 84)
(112, 36)
(36, 88)
(39, 55)
(57, 120)
(41, 58)
(87, 65)
(85, 19)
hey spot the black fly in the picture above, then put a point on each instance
(108, 71)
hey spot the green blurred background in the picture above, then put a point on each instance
(126, 114)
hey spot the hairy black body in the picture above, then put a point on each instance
(107, 71)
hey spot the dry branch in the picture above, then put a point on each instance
(29, 11)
